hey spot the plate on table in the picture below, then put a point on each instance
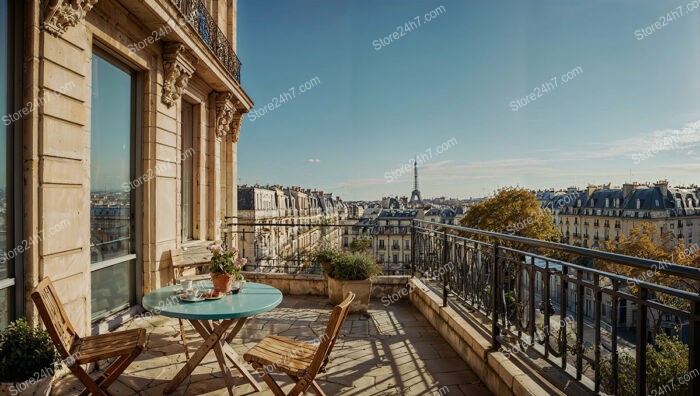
(212, 295)
(184, 297)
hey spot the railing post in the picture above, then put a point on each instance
(693, 346)
(413, 250)
(494, 299)
(444, 271)
(642, 342)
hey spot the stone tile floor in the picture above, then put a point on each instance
(393, 351)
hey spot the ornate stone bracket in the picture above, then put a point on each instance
(62, 14)
(178, 66)
(236, 125)
(225, 111)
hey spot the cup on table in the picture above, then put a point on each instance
(186, 284)
(193, 294)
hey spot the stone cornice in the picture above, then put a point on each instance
(62, 14)
(178, 66)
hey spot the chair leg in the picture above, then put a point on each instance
(318, 389)
(299, 389)
(91, 386)
(184, 340)
(116, 369)
(268, 379)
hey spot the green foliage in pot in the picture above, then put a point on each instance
(26, 351)
(325, 256)
(353, 267)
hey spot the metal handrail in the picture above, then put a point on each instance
(505, 283)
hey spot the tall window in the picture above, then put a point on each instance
(186, 169)
(112, 188)
(7, 280)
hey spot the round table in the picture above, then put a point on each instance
(211, 319)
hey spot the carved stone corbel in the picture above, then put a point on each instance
(225, 111)
(62, 14)
(236, 125)
(178, 66)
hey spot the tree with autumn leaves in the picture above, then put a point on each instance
(512, 211)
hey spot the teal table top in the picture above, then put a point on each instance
(255, 298)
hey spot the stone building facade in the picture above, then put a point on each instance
(601, 213)
(129, 117)
(278, 226)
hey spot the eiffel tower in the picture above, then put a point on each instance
(415, 200)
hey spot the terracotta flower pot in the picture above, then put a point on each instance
(222, 282)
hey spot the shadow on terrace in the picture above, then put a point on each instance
(480, 313)
(391, 351)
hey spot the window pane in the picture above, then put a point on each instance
(110, 164)
(4, 111)
(186, 173)
(112, 289)
(111, 202)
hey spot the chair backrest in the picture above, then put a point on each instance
(335, 324)
(54, 317)
(176, 259)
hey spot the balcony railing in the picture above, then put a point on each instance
(196, 13)
(509, 281)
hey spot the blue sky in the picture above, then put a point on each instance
(456, 77)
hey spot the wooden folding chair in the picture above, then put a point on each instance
(177, 270)
(301, 361)
(124, 345)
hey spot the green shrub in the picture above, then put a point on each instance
(667, 360)
(26, 351)
(325, 256)
(352, 267)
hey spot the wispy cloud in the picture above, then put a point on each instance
(313, 161)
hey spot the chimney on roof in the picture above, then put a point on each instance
(591, 189)
(663, 186)
(627, 189)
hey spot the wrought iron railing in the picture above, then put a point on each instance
(195, 13)
(525, 294)
(289, 248)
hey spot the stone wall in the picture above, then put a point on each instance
(57, 141)
(317, 285)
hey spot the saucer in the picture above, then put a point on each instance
(184, 297)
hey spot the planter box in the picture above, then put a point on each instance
(30, 387)
(338, 289)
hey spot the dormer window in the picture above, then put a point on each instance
(639, 203)
(607, 202)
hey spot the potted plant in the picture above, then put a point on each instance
(351, 272)
(28, 360)
(225, 266)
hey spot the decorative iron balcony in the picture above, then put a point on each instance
(506, 279)
(197, 15)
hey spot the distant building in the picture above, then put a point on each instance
(601, 213)
(389, 233)
(278, 225)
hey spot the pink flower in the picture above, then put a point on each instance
(215, 248)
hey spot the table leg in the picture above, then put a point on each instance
(210, 340)
(228, 377)
(235, 358)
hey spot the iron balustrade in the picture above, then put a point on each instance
(197, 15)
(288, 255)
(509, 285)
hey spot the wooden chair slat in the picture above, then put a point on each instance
(299, 360)
(125, 345)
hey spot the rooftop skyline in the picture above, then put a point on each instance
(467, 76)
